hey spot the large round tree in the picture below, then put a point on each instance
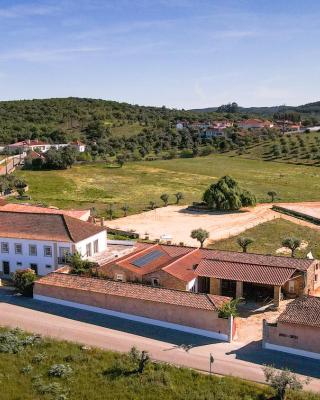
(226, 194)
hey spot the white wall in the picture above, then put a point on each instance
(26, 259)
(102, 240)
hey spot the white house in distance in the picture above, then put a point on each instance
(41, 241)
(42, 147)
(255, 123)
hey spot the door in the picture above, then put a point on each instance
(6, 267)
(64, 253)
(291, 286)
(34, 267)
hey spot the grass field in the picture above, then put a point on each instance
(95, 375)
(294, 148)
(269, 235)
(126, 130)
(137, 183)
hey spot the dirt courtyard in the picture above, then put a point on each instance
(311, 208)
(177, 222)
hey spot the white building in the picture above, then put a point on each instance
(42, 241)
(42, 147)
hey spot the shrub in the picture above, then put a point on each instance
(23, 280)
(229, 309)
(13, 342)
(60, 370)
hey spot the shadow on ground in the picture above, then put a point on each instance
(254, 353)
(177, 338)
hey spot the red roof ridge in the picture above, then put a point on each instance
(255, 264)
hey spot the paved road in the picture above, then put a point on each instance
(166, 345)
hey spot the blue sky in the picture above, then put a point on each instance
(178, 53)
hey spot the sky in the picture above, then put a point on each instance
(177, 53)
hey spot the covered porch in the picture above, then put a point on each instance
(258, 283)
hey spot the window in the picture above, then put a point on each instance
(18, 248)
(293, 337)
(32, 250)
(88, 250)
(119, 277)
(283, 335)
(4, 247)
(316, 278)
(19, 264)
(291, 286)
(155, 282)
(47, 251)
(48, 266)
(96, 246)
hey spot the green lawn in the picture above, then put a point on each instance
(137, 183)
(96, 375)
(269, 235)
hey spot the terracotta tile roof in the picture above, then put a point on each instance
(244, 272)
(261, 259)
(135, 291)
(29, 143)
(167, 254)
(27, 208)
(57, 227)
(184, 268)
(302, 311)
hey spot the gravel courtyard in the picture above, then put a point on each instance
(177, 222)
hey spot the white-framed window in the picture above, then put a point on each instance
(155, 281)
(32, 249)
(18, 248)
(88, 250)
(119, 277)
(4, 247)
(96, 246)
(47, 251)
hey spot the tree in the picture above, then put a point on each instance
(201, 235)
(125, 209)
(152, 204)
(272, 195)
(23, 280)
(244, 242)
(227, 195)
(165, 198)
(282, 380)
(229, 308)
(110, 211)
(179, 196)
(120, 159)
(139, 358)
(69, 156)
(291, 243)
(81, 267)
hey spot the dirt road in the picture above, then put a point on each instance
(177, 222)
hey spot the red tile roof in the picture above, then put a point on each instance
(135, 291)
(27, 208)
(262, 259)
(302, 311)
(244, 272)
(169, 254)
(184, 267)
(57, 227)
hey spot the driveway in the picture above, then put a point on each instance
(238, 359)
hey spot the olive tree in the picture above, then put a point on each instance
(165, 198)
(201, 235)
(179, 196)
(282, 380)
(244, 242)
(291, 243)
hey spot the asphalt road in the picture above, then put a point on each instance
(237, 359)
